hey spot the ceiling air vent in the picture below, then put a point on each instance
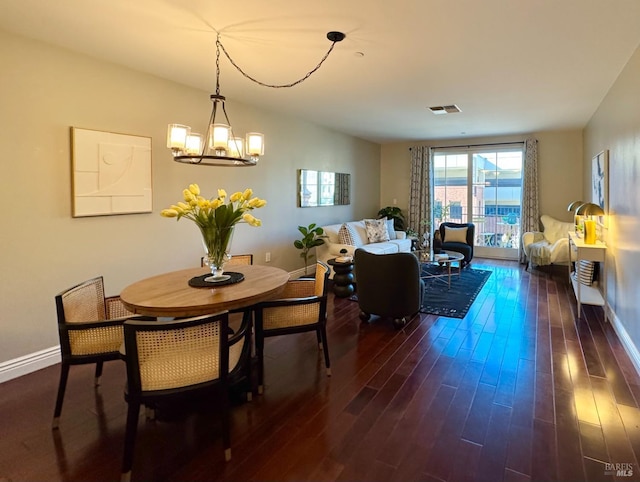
(445, 109)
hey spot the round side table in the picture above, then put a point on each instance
(342, 278)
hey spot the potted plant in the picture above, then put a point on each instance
(395, 213)
(310, 239)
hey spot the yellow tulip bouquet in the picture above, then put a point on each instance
(216, 218)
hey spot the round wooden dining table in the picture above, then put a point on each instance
(169, 294)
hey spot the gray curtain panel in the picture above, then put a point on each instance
(420, 195)
(530, 217)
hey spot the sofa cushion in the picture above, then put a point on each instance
(381, 248)
(331, 232)
(391, 229)
(403, 244)
(455, 235)
(346, 235)
(360, 233)
(376, 230)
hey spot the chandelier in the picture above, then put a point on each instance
(219, 146)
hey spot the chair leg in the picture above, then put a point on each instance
(322, 332)
(133, 413)
(62, 386)
(260, 356)
(98, 373)
(319, 338)
(249, 361)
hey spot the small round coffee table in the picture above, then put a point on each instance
(443, 259)
(342, 278)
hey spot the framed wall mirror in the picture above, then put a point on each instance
(321, 188)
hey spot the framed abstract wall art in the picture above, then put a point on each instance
(111, 173)
(600, 180)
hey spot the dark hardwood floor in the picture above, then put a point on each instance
(518, 390)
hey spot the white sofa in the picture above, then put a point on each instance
(332, 246)
(550, 246)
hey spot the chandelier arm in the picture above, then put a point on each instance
(224, 111)
(277, 86)
(212, 120)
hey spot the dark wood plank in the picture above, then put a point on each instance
(592, 442)
(543, 449)
(568, 437)
(493, 455)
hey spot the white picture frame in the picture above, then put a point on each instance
(111, 173)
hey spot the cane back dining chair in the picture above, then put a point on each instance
(173, 360)
(235, 259)
(90, 330)
(301, 308)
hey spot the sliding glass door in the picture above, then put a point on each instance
(481, 186)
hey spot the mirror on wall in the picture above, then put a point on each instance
(320, 188)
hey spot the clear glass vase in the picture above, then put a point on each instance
(217, 243)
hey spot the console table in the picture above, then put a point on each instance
(588, 295)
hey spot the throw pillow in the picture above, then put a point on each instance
(391, 229)
(587, 272)
(346, 235)
(455, 235)
(376, 230)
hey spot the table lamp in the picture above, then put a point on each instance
(577, 219)
(588, 210)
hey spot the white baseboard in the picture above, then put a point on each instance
(29, 363)
(300, 272)
(625, 339)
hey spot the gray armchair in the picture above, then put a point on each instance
(388, 285)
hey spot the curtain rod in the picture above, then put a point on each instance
(477, 145)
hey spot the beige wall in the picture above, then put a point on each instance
(616, 126)
(43, 250)
(559, 170)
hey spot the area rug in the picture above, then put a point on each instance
(452, 302)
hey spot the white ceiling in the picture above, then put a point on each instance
(512, 66)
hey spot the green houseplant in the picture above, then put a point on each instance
(310, 239)
(395, 213)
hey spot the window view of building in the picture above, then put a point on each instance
(482, 187)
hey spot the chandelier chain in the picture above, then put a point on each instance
(263, 84)
(217, 68)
